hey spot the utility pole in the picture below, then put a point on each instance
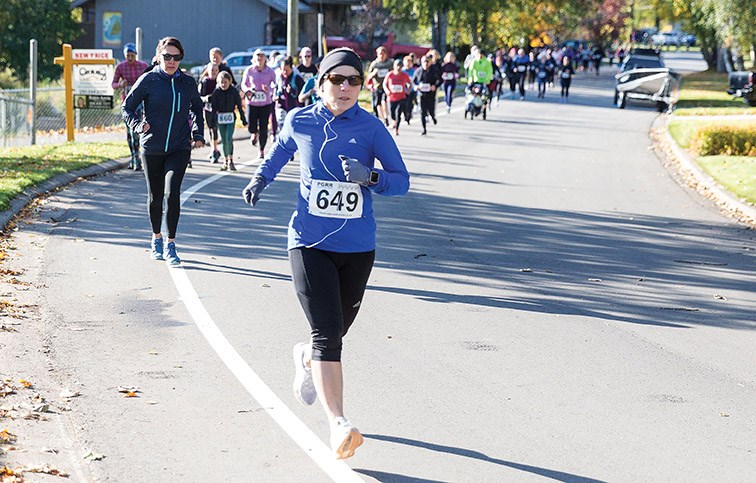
(292, 28)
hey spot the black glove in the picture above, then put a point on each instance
(354, 171)
(251, 193)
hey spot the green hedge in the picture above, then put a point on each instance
(725, 140)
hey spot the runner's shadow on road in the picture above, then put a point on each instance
(467, 453)
(196, 265)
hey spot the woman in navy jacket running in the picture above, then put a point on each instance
(171, 126)
(332, 231)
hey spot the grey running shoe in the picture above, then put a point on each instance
(345, 438)
(304, 388)
(157, 249)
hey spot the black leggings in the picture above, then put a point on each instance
(521, 82)
(164, 174)
(427, 104)
(565, 87)
(330, 287)
(397, 108)
(258, 117)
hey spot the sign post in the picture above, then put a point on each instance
(71, 58)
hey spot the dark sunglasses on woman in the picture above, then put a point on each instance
(338, 79)
(175, 57)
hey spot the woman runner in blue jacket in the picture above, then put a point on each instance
(171, 126)
(332, 231)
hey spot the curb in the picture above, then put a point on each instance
(702, 182)
(21, 201)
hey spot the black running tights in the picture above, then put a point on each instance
(330, 287)
(164, 174)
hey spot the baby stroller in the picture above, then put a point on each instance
(477, 100)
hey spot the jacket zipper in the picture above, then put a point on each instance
(173, 109)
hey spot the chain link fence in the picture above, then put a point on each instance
(16, 116)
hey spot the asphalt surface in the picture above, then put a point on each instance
(548, 303)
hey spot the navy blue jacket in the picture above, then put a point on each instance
(172, 108)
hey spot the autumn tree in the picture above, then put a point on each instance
(607, 22)
(51, 22)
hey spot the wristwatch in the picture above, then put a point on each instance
(374, 177)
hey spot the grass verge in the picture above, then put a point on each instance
(736, 173)
(24, 167)
(705, 94)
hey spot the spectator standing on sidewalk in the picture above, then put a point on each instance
(124, 78)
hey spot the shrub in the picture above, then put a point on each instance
(8, 80)
(725, 140)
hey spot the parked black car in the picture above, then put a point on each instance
(740, 83)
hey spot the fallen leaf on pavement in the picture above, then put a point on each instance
(8, 475)
(41, 408)
(7, 437)
(67, 393)
(46, 469)
(92, 456)
(128, 389)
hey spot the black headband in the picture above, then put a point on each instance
(338, 57)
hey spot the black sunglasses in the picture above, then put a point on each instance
(338, 79)
(175, 57)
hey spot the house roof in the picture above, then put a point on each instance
(280, 6)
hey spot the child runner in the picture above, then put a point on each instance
(223, 101)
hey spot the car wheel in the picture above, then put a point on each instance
(621, 100)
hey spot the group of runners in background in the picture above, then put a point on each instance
(271, 87)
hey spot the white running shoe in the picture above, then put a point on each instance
(345, 438)
(304, 388)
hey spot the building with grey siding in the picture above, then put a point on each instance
(232, 25)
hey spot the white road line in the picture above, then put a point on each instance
(318, 451)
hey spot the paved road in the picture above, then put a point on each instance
(548, 303)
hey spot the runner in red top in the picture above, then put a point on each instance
(397, 86)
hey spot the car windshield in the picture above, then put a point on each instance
(238, 61)
(641, 63)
